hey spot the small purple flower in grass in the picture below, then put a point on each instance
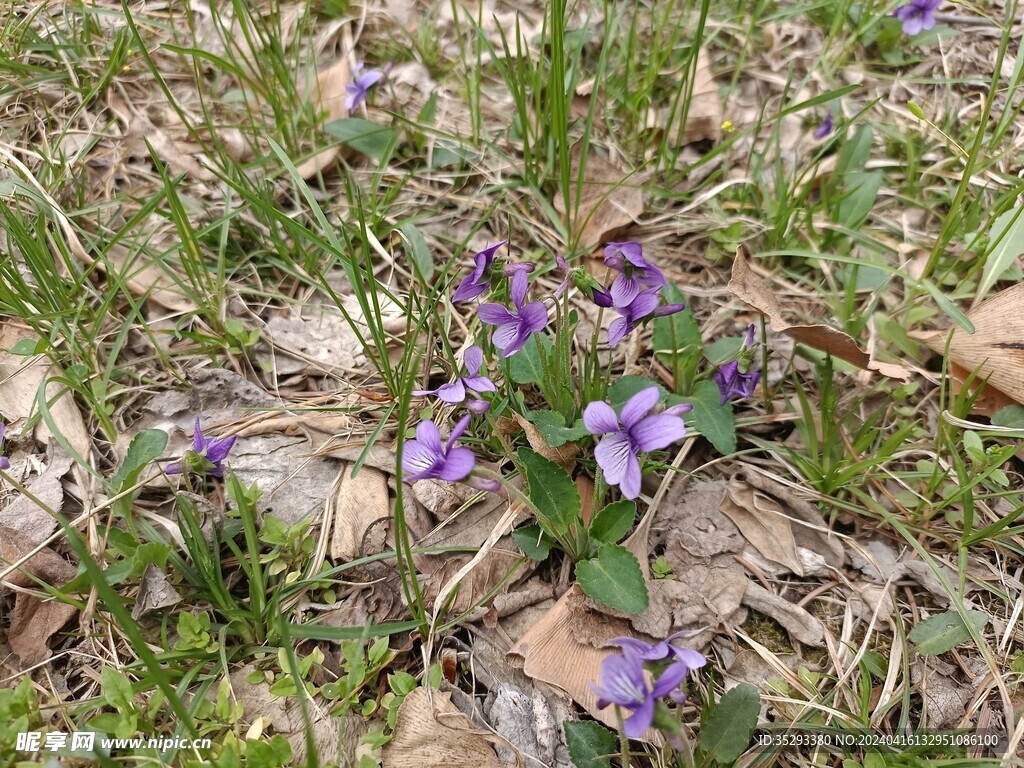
(212, 451)
(643, 306)
(427, 458)
(635, 272)
(479, 280)
(661, 651)
(456, 392)
(5, 463)
(825, 128)
(731, 383)
(623, 683)
(618, 454)
(360, 86)
(514, 328)
(917, 15)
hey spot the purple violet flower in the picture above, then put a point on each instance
(825, 128)
(477, 281)
(635, 272)
(514, 328)
(623, 683)
(618, 454)
(211, 450)
(917, 15)
(5, 463)
(687, 658)
(643, 306)
(731, 383)
(427, 457)
(360, 86)
(455, 392)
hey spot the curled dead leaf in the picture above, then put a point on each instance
(994, 350)
(34, 621)
(432, 733)
(361, 509)
(565, 649)
(758, 293)
(703, 115)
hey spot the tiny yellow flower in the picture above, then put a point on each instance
(728, 126)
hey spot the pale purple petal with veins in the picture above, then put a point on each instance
(638, 406)
(656, 432)
(599, 418)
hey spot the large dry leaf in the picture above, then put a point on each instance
(155, 592)
(788, 536)
(34, 621)
(361, 508)
(432, 733)
(996, 348)
(20, 380)
(703, 116)
(800, 624)
(609, 200)
(310, 340)
(565, 649)
(328, 96)
(758, 293)
(25, 515)
(485, 576)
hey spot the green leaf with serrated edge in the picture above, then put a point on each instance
(614, 578)
(419, 251)
(551, 426)
(525, 366)
(714, 420)
(625, 387)
(363, 136)
(145, 446)
(613, 522)
(535, 544)
(726, 734)
(553, 491)
(591, 745)
(945, 631)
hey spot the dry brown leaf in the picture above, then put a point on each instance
(432, 733)
(564, 455)
(328, 96)
(565, 649)
(20, 380)
(703, 117)
(34, 621)
(801, 625)
(361, 513)
(788, 536)
(310, 340)
(23, 514)
(155, 592)
(758, 293)
(610, 199)
(491, 571)
(995, 350)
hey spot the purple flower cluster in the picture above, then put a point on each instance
(625, 683)
(634, 291)
(633, 431)
(515, 327)
(427, 458)
(917, 15)
(211, 450)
